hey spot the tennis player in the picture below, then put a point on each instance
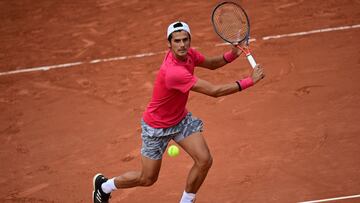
(166, 117)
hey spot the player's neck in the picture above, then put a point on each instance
(179, 57)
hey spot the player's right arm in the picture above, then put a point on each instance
(207, 88)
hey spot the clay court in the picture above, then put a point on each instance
(293, 137)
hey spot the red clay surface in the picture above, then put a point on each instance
(293, 137)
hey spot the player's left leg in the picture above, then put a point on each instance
(195, 145)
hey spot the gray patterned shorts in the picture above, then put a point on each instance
(155, 140)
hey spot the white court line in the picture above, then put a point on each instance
(42, 68)
(67, 65)
(332, 199)
(312, 32)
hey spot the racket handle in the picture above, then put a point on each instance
(251, 60)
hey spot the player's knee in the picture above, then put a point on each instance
(204, 163)
(148, 181)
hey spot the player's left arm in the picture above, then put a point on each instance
(216, 62)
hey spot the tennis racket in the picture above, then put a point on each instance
(232, 24)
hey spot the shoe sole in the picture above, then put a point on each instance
(94, 179)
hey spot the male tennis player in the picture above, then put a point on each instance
(166, 117)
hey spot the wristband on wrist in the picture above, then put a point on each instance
(245, 83)
(229, 56)
(238, 83)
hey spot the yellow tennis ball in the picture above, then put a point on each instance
(173, 151)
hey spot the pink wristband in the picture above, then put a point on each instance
(246, 83)
(229, 56)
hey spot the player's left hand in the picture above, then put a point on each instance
(236, 50)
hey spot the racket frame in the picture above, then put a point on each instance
(246, 49)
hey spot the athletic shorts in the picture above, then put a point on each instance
(155, 140)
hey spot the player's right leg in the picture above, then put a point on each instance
(98, 195)
(154, 143)
(146, 177)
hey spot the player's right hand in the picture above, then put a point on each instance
(257, 74)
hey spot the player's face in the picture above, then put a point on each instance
(180, 44)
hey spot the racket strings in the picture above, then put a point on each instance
(231, 23)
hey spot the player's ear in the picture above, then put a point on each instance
(169, 44)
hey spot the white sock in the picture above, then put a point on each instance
(187, 197)
(109, 186)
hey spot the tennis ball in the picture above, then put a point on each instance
(173, 151)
